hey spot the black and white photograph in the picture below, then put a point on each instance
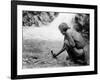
(53, 40)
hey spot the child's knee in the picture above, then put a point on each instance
(79, 51)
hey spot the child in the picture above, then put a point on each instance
(74, 43)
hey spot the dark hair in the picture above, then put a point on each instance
(63, 27)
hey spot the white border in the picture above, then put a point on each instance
(21, 71)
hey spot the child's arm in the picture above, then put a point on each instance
(70, 39)
(63, 49)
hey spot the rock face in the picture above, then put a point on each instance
(38, 18)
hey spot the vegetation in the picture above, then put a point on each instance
(82, 20)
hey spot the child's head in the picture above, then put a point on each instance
(63, 27)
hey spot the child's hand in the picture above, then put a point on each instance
(53, 55)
